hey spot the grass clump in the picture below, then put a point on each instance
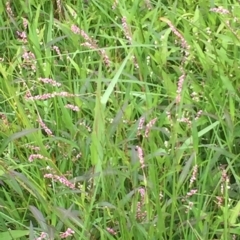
(119, 120)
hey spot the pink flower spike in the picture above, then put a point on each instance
(45, 96)
(111, 231)
(220, 10)
(58, 52)
(22, 36)
(25, 23)
(105, 57)
(8, 9)
(194, 175)
(140, 125)
(72, 107)
(126, 29)
(35, 148)
(69, 232)
(140, 156)
(142, 193)
(44, 127)
(75, 29)
(60, 179)
(140, 214)
(50, 81)
(32, 157)
(149, 126)
(192, 192)
(91, 43)
(180, 87)
(42, 236)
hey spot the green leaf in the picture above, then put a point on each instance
(234, 214)
(114, 81)
(14, 234)
(39, 217)
(16, 136)
(185, 170)
(189, 142)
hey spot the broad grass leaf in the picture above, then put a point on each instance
(114, 81)
(28, 185)
(185, 170)
(39, 218)
(55, 40)
(234, 214)
(14, 234)
(16, 136)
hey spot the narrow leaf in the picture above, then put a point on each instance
(112, 84)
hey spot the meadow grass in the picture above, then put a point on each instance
(119, 120)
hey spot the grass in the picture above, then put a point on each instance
(119, 123)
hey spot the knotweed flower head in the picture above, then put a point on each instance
(140, 213)
(57, 50)
(140, 156)
(126, 30)
(194, 175)
(42, 236)
(22, 36)
(72, 107)
(46, 96)
(220, 10)
(149, 126)
(192, 192)
(50, 82)
(32, 157)
(29, 60)
(185, 50)
(60, 179)
(44, 127)
(91, 43)
(140, 125)
(68, 233)
(180, 87)
(111, 231)
(9, 9)
(75, 29)
(25, 23)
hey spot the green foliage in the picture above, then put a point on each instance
(77, 80)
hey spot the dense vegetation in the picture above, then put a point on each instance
(119, 119)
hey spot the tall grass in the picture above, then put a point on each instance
(119, 120)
